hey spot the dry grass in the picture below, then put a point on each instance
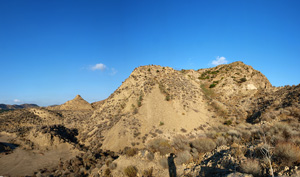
(160, 145)
(107, 172)
(180, 143)
(131, 171)
(113, 166)
(164, 162)
(148, 172)
(183, 157)
(150, 156)
(203, 145)
(130, 152)
(251, 166)
(221, 141)
(287, 153)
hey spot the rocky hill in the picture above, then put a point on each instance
(78, 103)
(217, 121)
(160, 99)
(13, 107)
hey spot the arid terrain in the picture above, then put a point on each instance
(222, 121)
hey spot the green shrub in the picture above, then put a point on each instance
(215, 72)
(203, 144)
(168, 97)
(212, 85)
(161, 123)
(131, 171)
(139, 102)
(243, 80)
(207, 92)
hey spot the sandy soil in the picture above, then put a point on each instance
(24, 162)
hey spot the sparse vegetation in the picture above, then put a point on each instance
(212, 85)
(131, 171)
(203, 144)
(113, 166)
(287, 153)
(222, 141)
(107, 172)
(251, 166)
(139, 102)
(243, 80)
(148, 172)
(160, 145)
(150, 156)
(130, 151)
(183, 130)
(207, 92)
(180, 143)
(168, 97)
(227, 122)
(164, 162)
(183, 157)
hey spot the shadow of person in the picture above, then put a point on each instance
(172, 166)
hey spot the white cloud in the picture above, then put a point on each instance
(113, 71)
(17, 100)
(98, 66)
(219, 61)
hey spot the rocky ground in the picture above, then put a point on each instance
(222, 121)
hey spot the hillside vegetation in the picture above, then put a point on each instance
(222, 121)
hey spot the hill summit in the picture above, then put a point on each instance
(78, 103)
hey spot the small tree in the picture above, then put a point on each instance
(266, 151)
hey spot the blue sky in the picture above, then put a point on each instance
(49, 50)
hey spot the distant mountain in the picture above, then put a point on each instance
(15, 106)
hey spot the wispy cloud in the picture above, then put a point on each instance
(113, 71)
(17, 101)
(98, 66)
(219, 61)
